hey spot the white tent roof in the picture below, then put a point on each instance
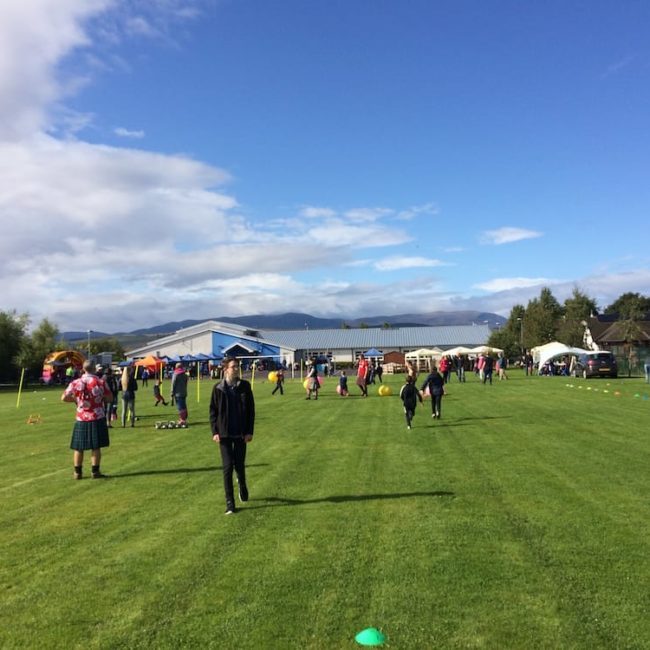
(551, 350)
(424, 352)
(484, 349)
(459, 349)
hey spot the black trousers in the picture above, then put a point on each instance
(233, 456)
(409, 412)
(278, 387)
(436, 404)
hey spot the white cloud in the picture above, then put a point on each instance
(508, 235)
(34, 36)
(418, 210)
(313, 212)
(396, 263)
(337, 232)
(126, 133)
(504, 284)
(367, 214)
(140, 26)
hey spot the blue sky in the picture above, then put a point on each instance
(175, 159)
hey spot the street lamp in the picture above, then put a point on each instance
(521, 333)
(89, 331)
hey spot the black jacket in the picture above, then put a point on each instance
(435, 382)
(219, 409)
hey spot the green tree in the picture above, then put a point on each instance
(541, 319)
(12, 340)
(628, 303)
(43, 340)
(509, 337)
(108, 344)
(579, 307)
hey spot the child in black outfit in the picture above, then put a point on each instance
(410, 395)
(279, 380)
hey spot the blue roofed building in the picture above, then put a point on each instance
(218, 339)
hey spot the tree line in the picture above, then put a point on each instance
(21, 349)
(544, 320)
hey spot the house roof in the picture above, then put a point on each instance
(409, 338)
(607, 332)
(374, 337)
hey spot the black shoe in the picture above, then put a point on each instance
(230, 509)
(99, 475)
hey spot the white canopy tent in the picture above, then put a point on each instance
(423, 357)
(544, 353)
(459, 349)
(485, 349)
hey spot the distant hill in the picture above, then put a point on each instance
(298, 321)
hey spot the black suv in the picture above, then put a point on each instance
(596, 364)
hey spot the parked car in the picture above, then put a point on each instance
(596, 364)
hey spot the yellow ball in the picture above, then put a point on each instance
(273, 376)
(385, 391)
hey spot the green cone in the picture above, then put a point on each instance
(370, 636)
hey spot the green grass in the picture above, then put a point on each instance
(520, 520)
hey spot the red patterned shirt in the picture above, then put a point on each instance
(89, 392)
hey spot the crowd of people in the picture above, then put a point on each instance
(232, 406)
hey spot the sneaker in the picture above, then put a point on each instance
(243, 493)
(408, 426)
(99, 475)
(230, 509)
(76, 476)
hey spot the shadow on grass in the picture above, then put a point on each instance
(345, 498)
(481, 418)
(178, 470)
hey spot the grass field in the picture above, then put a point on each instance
(519, 520)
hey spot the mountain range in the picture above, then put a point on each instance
(294, 321)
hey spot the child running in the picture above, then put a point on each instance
(410, 395)
(343, 384)
(157, 394)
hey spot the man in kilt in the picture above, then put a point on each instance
(90, 431)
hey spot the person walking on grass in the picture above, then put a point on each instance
(90, 431)
(157, 393)
(409, 395)
(232, 420)
(129, 388)
(312, 381)
(113, 385)
(179, 392)
(279, 381)
(436, 385)
(343, 385)
(362, 375)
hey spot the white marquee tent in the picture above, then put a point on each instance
(543, 353)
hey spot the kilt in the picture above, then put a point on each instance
(89, 435)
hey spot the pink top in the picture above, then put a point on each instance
(89, 392)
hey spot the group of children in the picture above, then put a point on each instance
(433, 385)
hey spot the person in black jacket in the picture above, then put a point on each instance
(436, 385)
(232, 420)
(410, 396)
